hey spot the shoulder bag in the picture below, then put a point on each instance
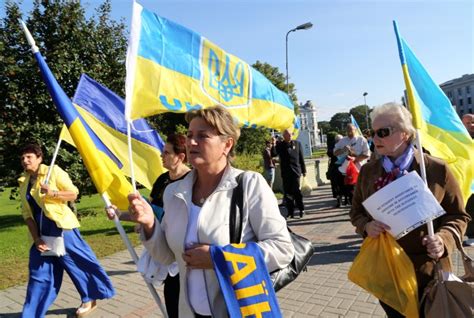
(303, 247)
(451, 298)
(54, 243)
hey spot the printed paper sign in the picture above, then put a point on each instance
(404, 205)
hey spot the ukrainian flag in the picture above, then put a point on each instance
(103, 111)
(102, 169)
(354, 122)
(442, 131)
(173, 69)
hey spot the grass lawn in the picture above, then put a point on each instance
(96, 229)
(319, 153)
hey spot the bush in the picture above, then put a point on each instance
(251, 162)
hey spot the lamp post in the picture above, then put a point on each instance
(366, 110)
(306, 26)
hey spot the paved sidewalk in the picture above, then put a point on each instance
(322, 291)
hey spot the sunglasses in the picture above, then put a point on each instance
(384, 132)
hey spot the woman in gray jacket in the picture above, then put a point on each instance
(197, 214)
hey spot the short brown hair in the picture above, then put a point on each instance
(178, 141)
(221, 120)
(32, 148)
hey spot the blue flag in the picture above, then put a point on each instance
(103, 110)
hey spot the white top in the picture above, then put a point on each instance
(358, 145)
(196, 283)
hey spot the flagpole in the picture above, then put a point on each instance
(134, 255)
(50, 169)
(423, 175)
(130, 154)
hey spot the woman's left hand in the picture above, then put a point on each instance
(434, 246)
(198, 257)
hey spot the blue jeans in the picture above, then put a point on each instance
(269, 175)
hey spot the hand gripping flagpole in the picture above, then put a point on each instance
(134, 255)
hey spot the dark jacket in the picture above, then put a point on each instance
(444, 187)
(291, 158)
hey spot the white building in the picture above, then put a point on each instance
(309, 122)
(460, 93)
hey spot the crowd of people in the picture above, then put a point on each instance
(189, 207)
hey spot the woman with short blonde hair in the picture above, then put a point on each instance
(200, 214)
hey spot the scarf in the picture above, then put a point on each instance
(395, 169)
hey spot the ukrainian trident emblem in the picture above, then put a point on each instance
(224, 77)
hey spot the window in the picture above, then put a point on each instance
(459, 91)
(450, 94)
(468, 89)
(460, 102)
(469, 101)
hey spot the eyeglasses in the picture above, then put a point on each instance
(384, 132)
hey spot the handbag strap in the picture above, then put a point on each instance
(236, 208)
(457, 239)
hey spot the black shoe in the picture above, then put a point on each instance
(292, 216)
(301, 214)
(338, 203)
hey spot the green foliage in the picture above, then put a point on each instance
(325, 126)
(168, 123)
(339, 121)
(71, 44)
(252, 162)
(359, 113)
(252, 141)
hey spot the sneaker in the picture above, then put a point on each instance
(468, 242)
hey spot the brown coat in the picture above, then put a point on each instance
(444, 187)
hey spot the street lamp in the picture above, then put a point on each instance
(366, 110)
(306, 26)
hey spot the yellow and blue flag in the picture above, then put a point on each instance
(173, 69)
(102, 169)
(103, 111)
(244, 280)
(354, 122)
(441, 129)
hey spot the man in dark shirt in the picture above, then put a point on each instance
(292, 167)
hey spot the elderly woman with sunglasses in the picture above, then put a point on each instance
(199, 211)
(393, 138)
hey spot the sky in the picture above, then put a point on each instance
(351, 48)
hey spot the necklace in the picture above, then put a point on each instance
(201, 200)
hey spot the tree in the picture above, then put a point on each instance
(339, 121)
(72, 44)
(325, 126)
(359, 113)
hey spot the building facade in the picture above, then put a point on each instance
(460, 93)
(309, 122)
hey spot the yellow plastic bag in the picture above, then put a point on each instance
(383, 269)
(305, 187)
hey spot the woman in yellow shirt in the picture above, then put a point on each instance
(44, 208)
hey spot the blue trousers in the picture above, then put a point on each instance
(46, 275)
